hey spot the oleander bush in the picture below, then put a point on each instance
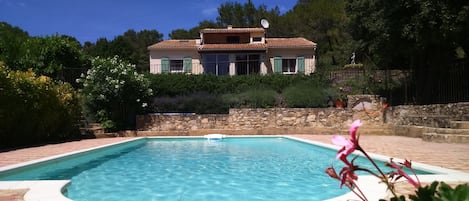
(36, 109)
(113, 93)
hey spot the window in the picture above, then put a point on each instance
(247, 64)
(288, 66)
(232, 39)
(217, 64)
(256, 39)
(176, 66)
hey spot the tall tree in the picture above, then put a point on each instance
(194, 32)
(11, 40)
(244, 15)
(324, 22)
(50, 55)
(131, 47)
(423, 35)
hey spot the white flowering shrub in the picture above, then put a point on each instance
(113, 93)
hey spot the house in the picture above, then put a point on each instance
(233, 51)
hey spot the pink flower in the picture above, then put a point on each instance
(347, 149)
(348, 176)
(332, 173)
(353, 130)
(401, 173)
(349, 145)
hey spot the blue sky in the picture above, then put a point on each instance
(88, 20)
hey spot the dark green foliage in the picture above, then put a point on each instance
(425, 36)
(199, 102)
(306, 94)
(35, 109)
(192, 93)
(447, 193)
(253, 98)
(131, 47)
(181, 84)
(11, 40)
(194, 32)
(438, 191)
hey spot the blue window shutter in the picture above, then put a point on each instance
(300, 64)
(277, 64)
(164, 64)
(187, 65)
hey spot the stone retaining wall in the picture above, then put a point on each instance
(407, 120)
(436, 115)
(267, 121)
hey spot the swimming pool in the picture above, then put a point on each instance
(271, 168)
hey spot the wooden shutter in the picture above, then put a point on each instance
(164, 64)
(187, 65)
(300, 64)
(277, 64)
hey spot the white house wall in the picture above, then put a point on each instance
(308, 54)
(155, 59)
(266, 64)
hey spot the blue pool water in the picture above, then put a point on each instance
(197, 170)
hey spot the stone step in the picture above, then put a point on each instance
(445, 138)
(105, 135)
(465, 117)
(447, 131)
(94, 125)
(459, 124)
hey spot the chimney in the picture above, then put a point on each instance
(230, 26)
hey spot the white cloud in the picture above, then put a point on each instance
(209, 11)
(10, 3)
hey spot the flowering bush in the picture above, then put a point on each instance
(113, 93)
(348, 177)
(36, 109)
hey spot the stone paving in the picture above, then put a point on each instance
(33, 153)
(452, 156)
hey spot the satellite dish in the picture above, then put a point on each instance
(265, 23)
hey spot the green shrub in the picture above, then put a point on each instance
(306, 94)
(235, 91)
(199, 102)
(181, 84)
(113, 93)
(252, 98)
(35, 109)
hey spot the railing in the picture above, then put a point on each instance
(196, 68)
(424, 86)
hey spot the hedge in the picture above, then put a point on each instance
(36, 109)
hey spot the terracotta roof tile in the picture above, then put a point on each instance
(252, 46)
(233, 30)
(289, 43)
(271, 43)
(174, 44)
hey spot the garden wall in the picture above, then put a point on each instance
(436, 115)
(407, 120)
(268, 121)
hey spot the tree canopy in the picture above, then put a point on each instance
(131, 46)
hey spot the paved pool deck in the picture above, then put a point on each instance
(446, 155)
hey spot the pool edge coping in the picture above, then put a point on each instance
(375, 189)
(44, 190)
